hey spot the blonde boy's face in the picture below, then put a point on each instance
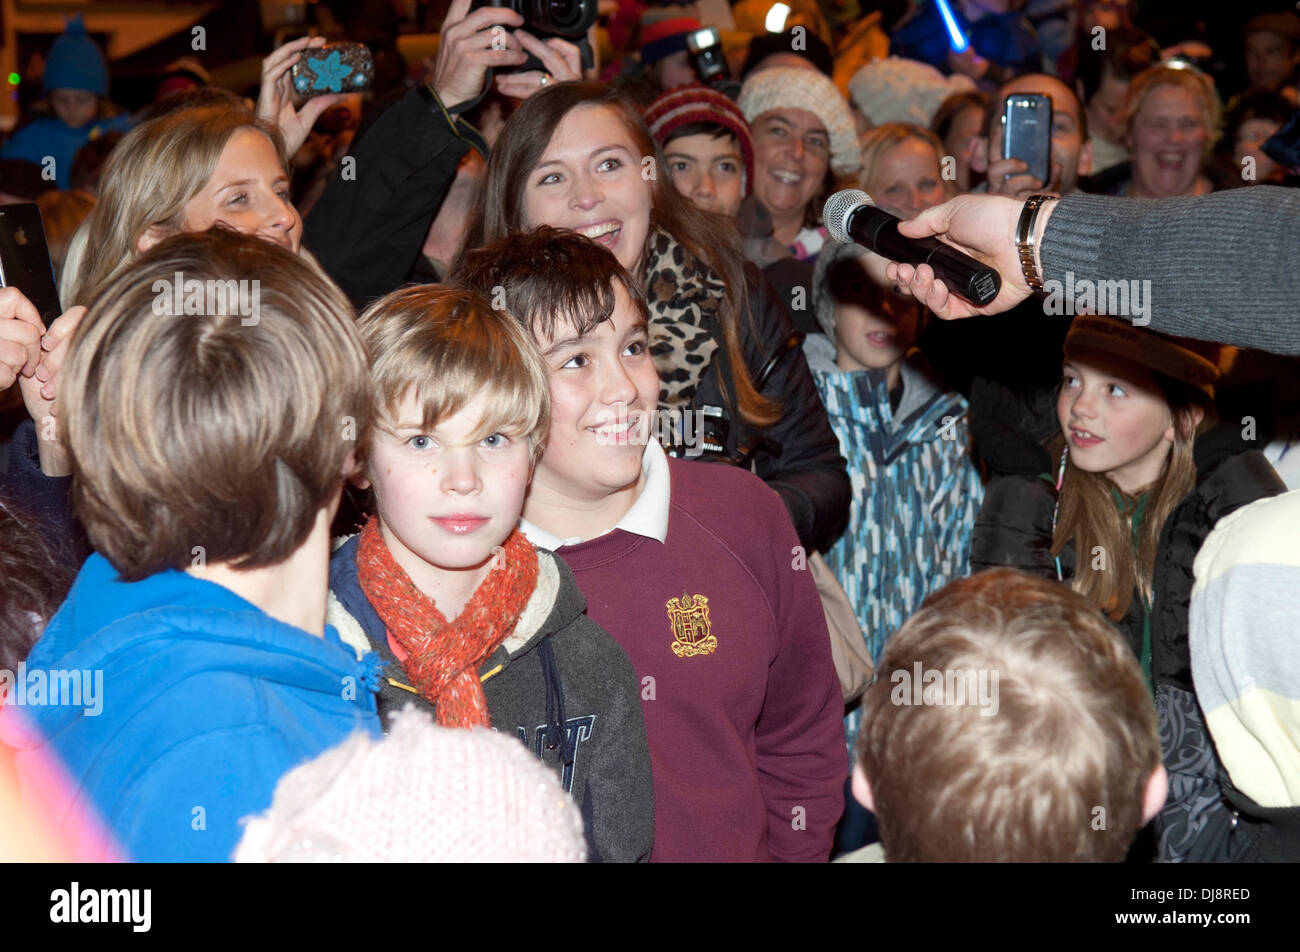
(446, 498)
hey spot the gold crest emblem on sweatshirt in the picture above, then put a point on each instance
(692, 631)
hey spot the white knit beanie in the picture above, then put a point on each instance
(903, 90)
(424, 793)
(789, 87)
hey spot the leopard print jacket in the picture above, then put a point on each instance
(684, 298)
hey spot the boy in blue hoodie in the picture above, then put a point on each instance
(191, 666)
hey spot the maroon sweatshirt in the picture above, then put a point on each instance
(726, 631)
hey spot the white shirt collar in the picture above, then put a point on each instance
(648, 515)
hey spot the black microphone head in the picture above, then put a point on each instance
(836, 211)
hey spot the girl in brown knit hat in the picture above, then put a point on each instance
(1121, 515)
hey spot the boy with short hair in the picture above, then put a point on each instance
(694, 568)
(470, 620)
(707, 145)
(208, 454)
(1008, 723)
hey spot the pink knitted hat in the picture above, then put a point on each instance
(422, 794)
(698, 103)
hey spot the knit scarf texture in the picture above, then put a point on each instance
(442, 657)
(684, 298)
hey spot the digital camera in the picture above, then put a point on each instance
(567, 19)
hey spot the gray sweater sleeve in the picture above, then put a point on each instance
(1223, 267)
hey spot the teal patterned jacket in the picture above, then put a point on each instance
(916, 491)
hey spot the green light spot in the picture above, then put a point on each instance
(14, 79)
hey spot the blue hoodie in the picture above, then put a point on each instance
(205, 701)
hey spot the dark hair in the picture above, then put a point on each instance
(549, 276)
(810, 47)
(88, 162)
(847, 282)
(1256, 105)
(701, 127)
(1128, 52)
(954, 106)
(36, 581)
(711, 239)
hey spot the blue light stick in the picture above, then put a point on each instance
(955, 38)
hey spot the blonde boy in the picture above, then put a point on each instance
(468, 618)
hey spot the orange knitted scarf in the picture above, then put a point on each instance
(443, 657)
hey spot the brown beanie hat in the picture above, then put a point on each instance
(1191, 362)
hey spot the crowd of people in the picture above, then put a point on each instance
(528, 394)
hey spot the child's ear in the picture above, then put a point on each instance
(1157, 791)
(862, 788)
(1190, 417)
(354, 471)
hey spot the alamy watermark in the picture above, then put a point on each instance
(1131, 299)
(668, 427)
(211, 297)
(55, 687)
(946, 687)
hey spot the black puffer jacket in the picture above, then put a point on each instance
(798, 456)
(1014, 527)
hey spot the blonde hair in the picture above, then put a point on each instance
(1072, 730)
(1194, 81)
(882, 138)
(149, 178)
(447, 346)
(218, 433)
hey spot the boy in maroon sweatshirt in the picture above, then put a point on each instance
(694, 568)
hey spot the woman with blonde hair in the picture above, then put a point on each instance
(901, 169)
(1172, 114)
(183, 172)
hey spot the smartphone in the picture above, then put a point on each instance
(333, 68)
(25, 259)
(1027, 132)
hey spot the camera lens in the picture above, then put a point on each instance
(565, 17)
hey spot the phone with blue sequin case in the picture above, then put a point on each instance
(334, 68)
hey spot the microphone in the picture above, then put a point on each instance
(851, 216)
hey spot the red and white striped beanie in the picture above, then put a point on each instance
(694, 102)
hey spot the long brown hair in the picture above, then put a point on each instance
(1108, 566)
(713, 240)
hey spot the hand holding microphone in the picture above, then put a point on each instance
(851, 216)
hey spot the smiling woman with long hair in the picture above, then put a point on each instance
(579, 156)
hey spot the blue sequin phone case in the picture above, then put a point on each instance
(335, 68)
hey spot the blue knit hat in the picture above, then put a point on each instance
(75, 62)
